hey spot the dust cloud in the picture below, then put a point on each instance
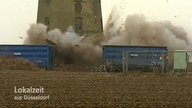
(69, 47)
(75, 49)
(138, 31)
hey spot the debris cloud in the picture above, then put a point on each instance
(69, 46)
(136, 30)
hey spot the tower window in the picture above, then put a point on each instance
(46, 22)
(79, 23)
(78, 6)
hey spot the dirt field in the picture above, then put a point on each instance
(97, 89)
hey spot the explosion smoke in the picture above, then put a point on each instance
(72, 48)
(138, 31)
(69, 46)
(36, 34)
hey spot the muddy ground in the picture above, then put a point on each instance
(87, 86)
(97, 89)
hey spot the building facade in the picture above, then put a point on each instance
(84, 15)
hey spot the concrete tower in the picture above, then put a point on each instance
(84, 15)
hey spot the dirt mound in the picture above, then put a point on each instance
(10, 63)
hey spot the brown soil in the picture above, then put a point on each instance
(85, 86)
(77, 67)
(9, 63)
(96, 89)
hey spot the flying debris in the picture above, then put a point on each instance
(21, 37)
(70, 47)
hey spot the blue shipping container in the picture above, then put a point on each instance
(42, 55)
(137, 57)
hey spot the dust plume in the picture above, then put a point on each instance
(36, 34)
(138, 31)
(72, 48)
(69, 46)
